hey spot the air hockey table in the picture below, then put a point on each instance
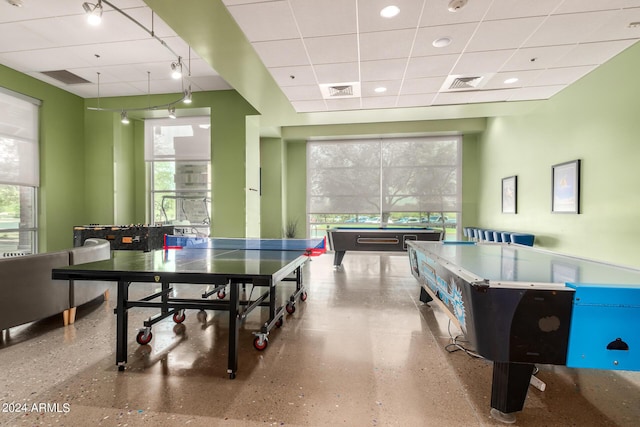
(519, 306)
(390, 238)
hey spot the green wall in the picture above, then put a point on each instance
(296, 186)
(595, 120)
(61, 203)
(116, 178)
(272, 161)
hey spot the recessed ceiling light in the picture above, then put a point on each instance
(390, 11)
(511, 80)
(442, 42)
(380, 89)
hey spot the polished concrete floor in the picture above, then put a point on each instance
(361, 351)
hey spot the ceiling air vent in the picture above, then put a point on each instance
(65, 77)
(340, 90)
(456, 83)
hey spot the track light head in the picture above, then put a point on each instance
(124, 119)
(176, 69)
(172, 112)
(94, 12)
(187, 96)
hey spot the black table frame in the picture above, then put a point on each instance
(237, 308)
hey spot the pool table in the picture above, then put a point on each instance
(391, 238)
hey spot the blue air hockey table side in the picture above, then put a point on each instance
(519, 306)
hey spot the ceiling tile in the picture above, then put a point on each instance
(309, 106)
(293, 76)
(379, 102)
(416, 100)
(561, 76)
(482, 62)
(536, 58)
(343, 104)
(388, 69)
(325, 18)
(577, 6)
(568, 29)
(503, 34)
(392, 87)
(423, 85)
(450, 98)
(369, 19)
(492, 95)
(540, 92)
(335, 73)
(302, 93)
(497, 81)
(618, 26)
(506, 9)
(431, 66)
(592, 53)
(386, 44)
(436, 13)
(265, 21)
(460, 34)
(332, 49)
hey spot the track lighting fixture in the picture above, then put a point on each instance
(94, 15)
(176, 69)
(94, 12)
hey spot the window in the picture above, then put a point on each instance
(19, 173)
(179, 154)
(407, 181)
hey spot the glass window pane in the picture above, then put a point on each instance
(381, 179)
(17, 243)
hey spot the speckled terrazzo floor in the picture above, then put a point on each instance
(361, 351)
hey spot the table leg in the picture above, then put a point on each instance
(509, 388)
(122, 323)
(337, 258)
(234, 309)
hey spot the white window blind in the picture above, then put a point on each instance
(19, 157)
(384, 175)
(181, 139)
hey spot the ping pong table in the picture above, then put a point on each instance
(219, 263)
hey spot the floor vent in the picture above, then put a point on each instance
(65, 77)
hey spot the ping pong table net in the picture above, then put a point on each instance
(309, 247)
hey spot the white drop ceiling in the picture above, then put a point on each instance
(46, 35)
(304, 44)
(545, 44)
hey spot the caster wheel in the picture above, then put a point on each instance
(232, 376)
(291, 308)
(303, 296)
(279, 323)
(144, 339)
(260, 343)
(121, 368)
(222, 294)
(179, 316)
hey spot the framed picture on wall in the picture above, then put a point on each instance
(565, 191)
(509, 194)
